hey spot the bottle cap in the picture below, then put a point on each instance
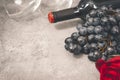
(51, 17)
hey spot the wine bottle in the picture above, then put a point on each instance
(80, 11)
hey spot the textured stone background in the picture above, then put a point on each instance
(34, 50)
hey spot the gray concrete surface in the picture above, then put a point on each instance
(34, 50)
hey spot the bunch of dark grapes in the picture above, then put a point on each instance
(98, 36)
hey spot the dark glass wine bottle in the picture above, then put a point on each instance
(84, 7)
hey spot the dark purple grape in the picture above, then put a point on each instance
(75, 35)
(90, 20)
(115, 30)
(81, 40)
(104, 21)
(105, 55)
(114, 43)
(91, 38)
(110, 50)
(104, 8)
(88, 23)
(117, 17)
(112, 20)
(72, 47)
(114, 38)
(93, 46)
(79, 26)
(118, 38)
(101, 44)
(118, 48)
(104, 34)
(77, 50)
(83, 31)
(86, 48)
(100, 14)
(94, 56)
(93, 13)
(96, 21)
(87, 16)
(98, 29)
(110, 8)
(119, 24)
(98, 37)
(68, 40)
(117, 10)
(67, 47)
(90, 29)
(107, 27)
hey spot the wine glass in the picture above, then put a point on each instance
(21, 8)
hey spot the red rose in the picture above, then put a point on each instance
(109, 70)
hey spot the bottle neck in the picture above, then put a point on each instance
(88, 5)
(84, 8)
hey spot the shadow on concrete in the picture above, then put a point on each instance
(67, 24)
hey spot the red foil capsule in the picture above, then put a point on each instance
(51, 17)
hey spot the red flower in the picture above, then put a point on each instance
(109, 70)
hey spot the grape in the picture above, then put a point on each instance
(98, 37)
(86, 48)
(107, 27)
(112, 20)
(81, 40)
(100, 14)
(113, 43)
(91, 38)
(119, 24)
(94, 56)
(68, 40)
(118, 38)
(104, 21)
(67, 47)
(72, 47)
(105, 55)
(93, 13)
(118, 10)
(87, 16)
(77, 50)
(90, 29)
(117, 17)
(75, 35)
(79, 27)
(88, 23)
(98, 29)
(83, 31)
(104, 34)
(110, 50)
(118, 48)
(96, 21)
(90, 20)
(110, 8)
(104, 8)
(115, 30)
(93, 46)
(101, 44)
